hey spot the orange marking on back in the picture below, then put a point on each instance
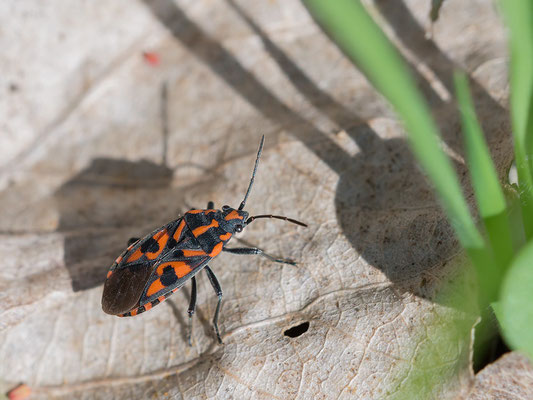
(233, 215)
(135, 256)
(155, 287)
(193, 253)
(118, 260)
(217, 249)
(179, 229)
(225, 236)
(202, 229)
(133, 313)
(181, 268)
(147, 306)
(162, 239)
(161, 298)
(172, 264)
(109, 273)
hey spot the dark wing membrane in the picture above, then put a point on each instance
(131, 271)
(124, 287)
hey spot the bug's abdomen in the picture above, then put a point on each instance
(130, 273)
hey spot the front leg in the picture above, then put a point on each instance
(255, 250)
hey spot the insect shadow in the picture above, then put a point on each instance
(102, 206)
(384, 205)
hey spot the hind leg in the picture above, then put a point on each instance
(218, 291)
(192, 308)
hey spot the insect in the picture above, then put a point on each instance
(154, 267)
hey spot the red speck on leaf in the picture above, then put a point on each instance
(21, 392)
(151, 58)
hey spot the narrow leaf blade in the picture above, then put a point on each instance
(516, 307)
(489, 194)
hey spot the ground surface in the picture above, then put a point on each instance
(100, 143)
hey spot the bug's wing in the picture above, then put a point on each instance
(129, 274)
(124, 287)
(172, 272)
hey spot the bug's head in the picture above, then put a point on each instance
(234, 220)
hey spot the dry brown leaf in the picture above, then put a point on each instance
(100, 145)
(509, 378)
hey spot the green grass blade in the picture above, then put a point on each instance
(515, 311)
(361, 39)
(489, 194)
(519, 17)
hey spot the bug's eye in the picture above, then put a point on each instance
(238, 228)
(225, 208)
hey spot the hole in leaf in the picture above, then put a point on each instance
(297, 330)
(495, 350)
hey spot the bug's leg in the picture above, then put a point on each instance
(255, 250)
(192, 308)
(218, 291)
(132, 240)
(210, 205)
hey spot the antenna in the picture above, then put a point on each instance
(253, 173)
(276, 217)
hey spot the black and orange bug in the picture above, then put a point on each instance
(154, 267)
